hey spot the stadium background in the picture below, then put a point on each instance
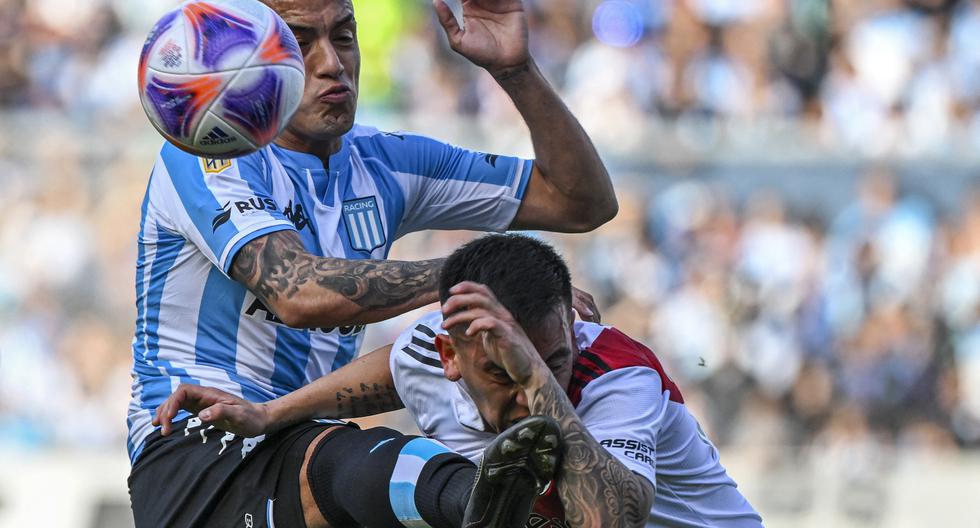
(799, 234)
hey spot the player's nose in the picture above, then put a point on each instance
(520, 400)
(326, 62)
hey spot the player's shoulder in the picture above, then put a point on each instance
(415, 347)
(606, 349)
(611, 348)
(384, 144)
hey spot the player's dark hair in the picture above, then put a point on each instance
(528, 277)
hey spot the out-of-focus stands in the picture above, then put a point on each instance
(801, 249)
(871, 77)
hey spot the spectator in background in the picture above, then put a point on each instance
(873, 336)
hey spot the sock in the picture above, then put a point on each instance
(425, 484)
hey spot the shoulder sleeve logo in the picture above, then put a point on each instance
(215, 166)
(224, 214)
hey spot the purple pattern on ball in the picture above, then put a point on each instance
(289, 41)
(174, 105)
(218, 32)
(160, 28)
(256, 108)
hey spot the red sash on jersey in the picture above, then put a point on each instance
(611, 350)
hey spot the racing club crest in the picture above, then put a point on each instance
(364, 227)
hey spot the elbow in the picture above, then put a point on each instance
(292, 315)
(606, 212)
(299, 314)
(643, 495)
(593, 216)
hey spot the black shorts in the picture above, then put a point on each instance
(204, 477)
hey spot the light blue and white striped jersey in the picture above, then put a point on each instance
(196, 325)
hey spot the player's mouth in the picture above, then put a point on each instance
(339, 93)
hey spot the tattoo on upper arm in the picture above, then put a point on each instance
(277, 265)
(589, 472)
(367, 400)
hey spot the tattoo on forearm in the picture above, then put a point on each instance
(277, 266)
(367, 400)
(588, 472)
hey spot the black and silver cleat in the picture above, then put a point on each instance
(517, 466)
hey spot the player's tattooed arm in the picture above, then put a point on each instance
(366, 400)
(596, 489)
(363, 388)
(307, 291)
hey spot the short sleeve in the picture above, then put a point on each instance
(624, 411)
(415, 364)
(219, 205)
(448, 187)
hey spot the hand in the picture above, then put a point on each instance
(493, 36)
(504, 341)
(584, 305)
(215, 407)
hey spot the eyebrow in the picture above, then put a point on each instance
(560, 351)
(346, 19)
(300, 28)
(304, 28)
(490, 365)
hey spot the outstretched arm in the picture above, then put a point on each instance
(570, 189)
(362, 388)
(596, 489)
(307, 291)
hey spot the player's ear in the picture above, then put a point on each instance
(447, 354)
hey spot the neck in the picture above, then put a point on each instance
(321, 148)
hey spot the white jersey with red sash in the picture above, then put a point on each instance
(624, 397)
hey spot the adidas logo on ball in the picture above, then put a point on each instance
(216, 137)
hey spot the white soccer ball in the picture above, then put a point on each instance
(221, 78)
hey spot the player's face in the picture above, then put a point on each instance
(327, 35)
(499, 400)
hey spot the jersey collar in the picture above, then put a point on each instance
(339, 161)
(465, 409)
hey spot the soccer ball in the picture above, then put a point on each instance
(221, 78)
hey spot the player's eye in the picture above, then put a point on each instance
(498, 374)
(345, 37)
(556, 364)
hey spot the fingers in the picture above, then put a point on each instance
(584, 304)
(191, 398)
(216, 413)
(468, 317)
(168, 409)
(471, 287)
(485, 324)
(469, 301)
(448, 20)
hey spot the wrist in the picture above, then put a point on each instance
(272, 419)
(539, 378)
(514, 73)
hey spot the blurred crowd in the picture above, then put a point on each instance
(787, 326)
(874, 77)
(794, 327)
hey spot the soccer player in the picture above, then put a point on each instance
(256, 275)
(505, 345)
